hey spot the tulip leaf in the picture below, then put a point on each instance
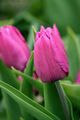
(70, 108)
(76, 114)
(39, 85)
(2, 113)
(73, 92)
(11, 107)
(76, 39)
(57, 100)
(31, 106)
(30, 65)
(73, 55)
(31, 36)
(8, 77)
(26, 87)
(36, 83)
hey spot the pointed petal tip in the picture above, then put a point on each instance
(42, 29)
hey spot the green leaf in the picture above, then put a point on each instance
(70, 108)
(76, 114)
(76, 39)
(26, 87)
(73, 55)
(36, 83)
(30, 66)
(30, 38)
(11, 107)
(54, 98)
(31, 106)
(73, 92)
(8, 77)
(2, 111)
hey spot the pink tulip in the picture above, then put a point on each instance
(50, 58)
(20, 78)
(78, 78)
(13, 48)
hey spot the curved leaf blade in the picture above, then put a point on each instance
(31, 106)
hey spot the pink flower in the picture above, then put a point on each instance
(20, 78)
(50, 58)
(78, 78)
(13, 48)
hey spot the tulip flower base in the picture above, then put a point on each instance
(56, 102)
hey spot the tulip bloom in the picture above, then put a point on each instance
(20, 78)
(50, 57)
(13, 49)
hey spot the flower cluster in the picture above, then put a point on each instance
(50, 58)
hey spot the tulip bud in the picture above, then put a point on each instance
(20, 78)
(13, 48)
(50, 57)
(78, 78)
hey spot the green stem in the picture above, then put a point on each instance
(63, 99)
(55, 100)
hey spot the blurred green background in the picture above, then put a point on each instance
(62, 12)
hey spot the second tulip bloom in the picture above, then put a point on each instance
(50, 58)
(14, 50)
